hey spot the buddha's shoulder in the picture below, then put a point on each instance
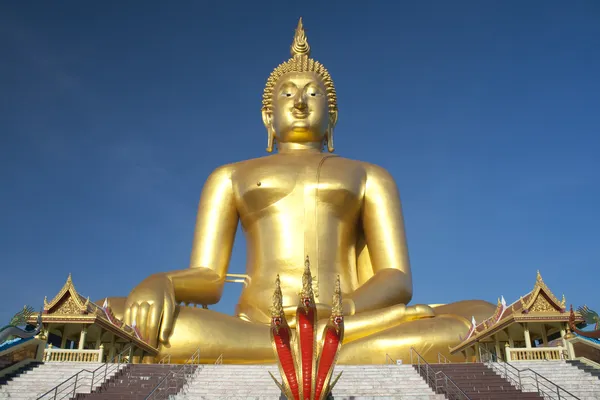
(227, 171)
(370, 169)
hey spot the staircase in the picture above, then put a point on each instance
(134, 382)
(357, 382)
(33, 383)
(481, 383)
(9, 377)
(578, 382)
(585, 367)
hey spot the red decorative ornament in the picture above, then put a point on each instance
(305, 373)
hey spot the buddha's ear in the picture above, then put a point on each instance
(333, 117)
(267, 118)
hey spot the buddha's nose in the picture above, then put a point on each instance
(300, 102)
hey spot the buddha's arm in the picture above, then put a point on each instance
(216, 224)
(383, 226)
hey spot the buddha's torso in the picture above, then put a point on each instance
(290, 206)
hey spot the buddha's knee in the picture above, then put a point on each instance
(427, 337)
(479, 309)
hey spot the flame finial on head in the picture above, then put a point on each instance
(277, 309)
(300, 45)
(336, 304)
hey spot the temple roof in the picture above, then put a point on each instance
(539, 305)
(68, 306)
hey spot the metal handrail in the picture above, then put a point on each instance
(388, 357)
(166, 359)
(219, 360)
(432, 378)
(95, 373)
(184, 373)
(548, 389)
(442, 359)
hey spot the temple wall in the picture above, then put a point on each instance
(587, 351)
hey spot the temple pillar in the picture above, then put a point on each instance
(497, 347)
(99, 340)
(544, 335)
(527, 336)
(477, 352)
(82, 337)
(506, 347)
(112, 349)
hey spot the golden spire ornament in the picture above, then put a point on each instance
(307, 289)
(277, 309)
(300, 45)
(336, 304)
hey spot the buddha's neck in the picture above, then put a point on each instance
(292, 148)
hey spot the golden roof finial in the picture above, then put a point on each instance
(336, 304)
(69, 279)
(563, 302)
(539, 276)
(307, 289)
(277, 309)
(300, 45)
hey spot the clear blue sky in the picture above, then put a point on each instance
(113, 114)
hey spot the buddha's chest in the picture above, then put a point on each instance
(293, 185)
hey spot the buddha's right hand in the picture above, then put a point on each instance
(152, 306)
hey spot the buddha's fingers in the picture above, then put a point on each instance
(142, 319)
(418, 311)
(127, 316)
(133, 312)
(168, 317)
(370, 322)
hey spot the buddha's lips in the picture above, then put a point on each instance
(300, 114)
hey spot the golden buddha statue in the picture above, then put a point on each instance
(345, 215)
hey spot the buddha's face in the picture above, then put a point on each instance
(300, 112)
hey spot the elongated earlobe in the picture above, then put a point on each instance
(266, 117)
(270, 140)
(329, 139)
(333, 116)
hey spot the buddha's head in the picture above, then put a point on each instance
(299, 100)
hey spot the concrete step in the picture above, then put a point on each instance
(31, 384)
(569, 377)
(356, 382)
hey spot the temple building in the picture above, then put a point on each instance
(535, 327)
(77, 329)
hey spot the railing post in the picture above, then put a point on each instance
(75, 385)
(55, 392)
(537, 383)
(92, 383)
(558, 392)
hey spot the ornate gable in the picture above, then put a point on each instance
(67, 301)
(542, 300)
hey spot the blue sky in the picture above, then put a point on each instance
(486, 113)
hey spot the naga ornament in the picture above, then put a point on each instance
(590, 317)
(20, 319)
(306, 366)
